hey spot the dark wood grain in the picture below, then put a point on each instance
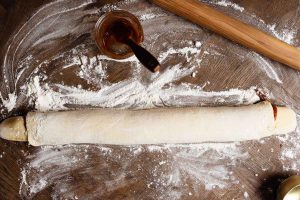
(228, 72)
(10, 168)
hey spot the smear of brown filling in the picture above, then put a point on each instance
(275, 110)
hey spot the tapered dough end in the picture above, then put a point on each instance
(13, 129)
(286, 121)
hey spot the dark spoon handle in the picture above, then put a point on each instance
(146, 58)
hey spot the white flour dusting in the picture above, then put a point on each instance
(287, 34)
(10, 102)
(230, 4)
(147, 16)
(131, 92)
(171, 168)
(187, 51)
(246, 195)
(267, 67)
(175, 170)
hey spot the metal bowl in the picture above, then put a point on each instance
(289, 189)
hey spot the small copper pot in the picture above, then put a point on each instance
(107, 44)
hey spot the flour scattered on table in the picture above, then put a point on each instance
(10, 102)
(174, 169)
(230, 4)
(169, 171)
(2, 154)
(286, 34)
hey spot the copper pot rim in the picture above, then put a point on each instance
(117, 14)
(288, 186)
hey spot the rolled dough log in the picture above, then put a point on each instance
(156, 126)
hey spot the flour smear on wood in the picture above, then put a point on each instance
(176, 171)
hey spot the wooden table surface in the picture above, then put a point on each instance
(257, 176)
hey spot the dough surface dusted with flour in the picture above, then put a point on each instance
(153, 126)
(156, 126)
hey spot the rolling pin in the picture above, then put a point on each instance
(151, 126)
(234, 30)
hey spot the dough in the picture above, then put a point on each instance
(156, 126)
(161, 125)
(13, 129)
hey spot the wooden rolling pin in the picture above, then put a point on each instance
(234, 30)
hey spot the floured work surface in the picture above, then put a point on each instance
(50, 62)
